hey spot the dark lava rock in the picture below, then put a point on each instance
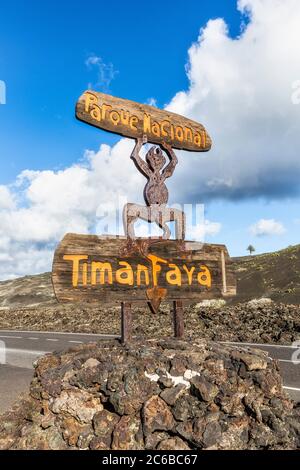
(164, 395)
(255, 322)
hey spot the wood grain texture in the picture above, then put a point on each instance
(178, 319)
(119, 254)
(134, 120)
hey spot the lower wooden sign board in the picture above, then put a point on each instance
(103, 269)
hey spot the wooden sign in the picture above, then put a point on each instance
(89, 268)
(134, 120)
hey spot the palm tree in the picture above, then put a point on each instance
(251, 249)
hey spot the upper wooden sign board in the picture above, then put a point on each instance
(134, 120)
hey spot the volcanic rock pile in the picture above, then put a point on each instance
(166, 394)
(254, 321)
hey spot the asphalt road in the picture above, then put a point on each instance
(22, 348)
(13, 382)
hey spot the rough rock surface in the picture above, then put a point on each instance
(257, 322)
(249, 322)
(166, 394)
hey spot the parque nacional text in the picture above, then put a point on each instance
(135, 120)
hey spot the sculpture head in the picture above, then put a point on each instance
(155, 158)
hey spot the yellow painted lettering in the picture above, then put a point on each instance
(188, 135)
(141, 269)
(84, 274)
(163, 126)
(105, 107)
(147, 123)
(173, 276)
(90, 99)
(105, 271)
(124, 117)
(114, 117)
(179, 134)
(96, 113)
(133, 123)
(156, 129)
(203, 139)
(197, 139)
(204, 276)
(172, 132)
(189, 273)
(125, 275)
(75, 267)
(156, 268)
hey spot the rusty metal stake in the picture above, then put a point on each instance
(126, 322)
(178, 318)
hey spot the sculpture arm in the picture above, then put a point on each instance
(169, 170)
(138, 161)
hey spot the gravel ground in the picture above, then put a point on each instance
(249, 322)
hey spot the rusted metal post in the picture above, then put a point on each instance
(178, 318)
(126, 322)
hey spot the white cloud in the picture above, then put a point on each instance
(52, 203)
(199, 232)
(203, 230)
(152, 102)
(81, 199)
(240, 89)
(105, 73)
(6, 198)
(267, 227)
(2, 92)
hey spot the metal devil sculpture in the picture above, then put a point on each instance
(133, 270)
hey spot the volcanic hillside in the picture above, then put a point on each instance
(274, 275)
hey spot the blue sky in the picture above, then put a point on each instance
(44, 49)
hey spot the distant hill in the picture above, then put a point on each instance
(28, 291)
(274, 275)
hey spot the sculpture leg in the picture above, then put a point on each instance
(129, 219)
(165, 214)
(167, 231)
(160, 214)
(161, 217)
(179, 218)
(131, 213)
